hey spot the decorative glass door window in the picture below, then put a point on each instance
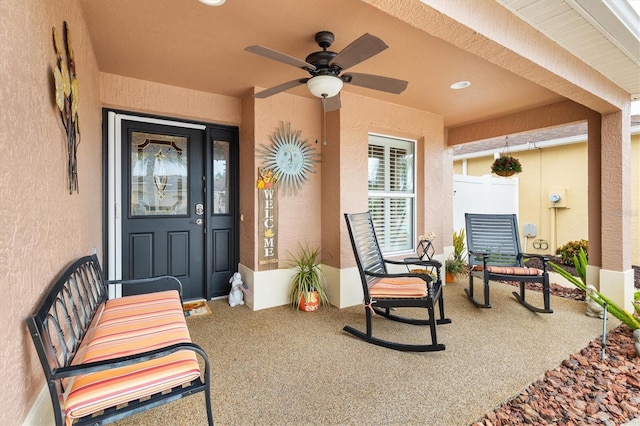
(159, 172)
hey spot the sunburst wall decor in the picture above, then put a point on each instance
(290, 158)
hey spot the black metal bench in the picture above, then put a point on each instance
(65, 329)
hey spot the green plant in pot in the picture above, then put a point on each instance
(307, 288)
(456, 265)
(506, 165)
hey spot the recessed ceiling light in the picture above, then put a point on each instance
(213, 2)
(460, 85)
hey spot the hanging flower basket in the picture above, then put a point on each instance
(506, 165)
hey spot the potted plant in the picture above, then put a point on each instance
(307, 286)
(454, 267)
(456, 264)
(506, 165)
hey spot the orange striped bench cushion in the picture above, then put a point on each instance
(398, 287)
(128, 326)
(509, 270)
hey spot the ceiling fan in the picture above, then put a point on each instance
(326, 67)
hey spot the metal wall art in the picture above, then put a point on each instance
(66, 94)
(290, 158)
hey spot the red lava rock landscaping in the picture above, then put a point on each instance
(583, 390)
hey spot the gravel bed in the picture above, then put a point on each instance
(585, 389)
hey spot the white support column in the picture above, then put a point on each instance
(618, 286)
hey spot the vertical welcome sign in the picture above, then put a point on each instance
(268, 221)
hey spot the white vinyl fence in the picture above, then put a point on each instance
(483, 194)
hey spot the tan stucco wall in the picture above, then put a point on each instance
(43, 227)
(299, 214)
(131, 94)
(360, 116)
(615, 184)
(339, 185)
(248, 225)
(564, 168)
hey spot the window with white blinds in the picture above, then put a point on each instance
(392, 192)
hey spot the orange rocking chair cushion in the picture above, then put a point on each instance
(398, 287)
(509, 270)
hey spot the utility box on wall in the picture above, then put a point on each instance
(529, 230)
(558, 198)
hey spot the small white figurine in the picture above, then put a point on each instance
(235, 296)
(593, 309)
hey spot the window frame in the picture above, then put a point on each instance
(384, 234)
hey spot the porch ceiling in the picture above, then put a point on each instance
(186, 44)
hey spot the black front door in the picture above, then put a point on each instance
(163, 204)
(179, 204)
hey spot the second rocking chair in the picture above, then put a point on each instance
(493, 243)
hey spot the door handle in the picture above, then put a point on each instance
(198, 222)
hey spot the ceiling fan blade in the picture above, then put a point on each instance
(281, 57)
(358, 51)
(332, 103)
(280, 88)
(376, 82)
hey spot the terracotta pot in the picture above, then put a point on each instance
(312, 304)
(449, 277)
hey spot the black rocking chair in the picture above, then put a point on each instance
(384, 291)
(493, 243)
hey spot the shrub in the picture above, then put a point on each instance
(458, 244)
(456, 264)
(571, 249)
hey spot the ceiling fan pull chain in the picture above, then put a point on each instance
(324, 121)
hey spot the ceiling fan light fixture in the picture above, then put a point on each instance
(324, 86)
(213, 2)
